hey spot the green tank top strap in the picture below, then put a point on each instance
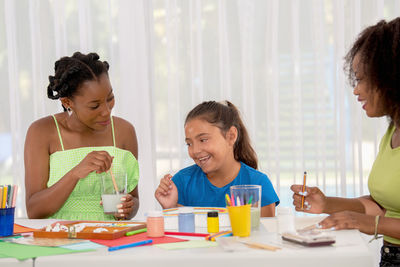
(59, 134)
(112, 129)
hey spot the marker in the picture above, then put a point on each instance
(136, 232)
(140, 243)
(186, 234)
(238, 201)
(250, 200)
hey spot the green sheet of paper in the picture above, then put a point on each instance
(188, 244)
(23, 252)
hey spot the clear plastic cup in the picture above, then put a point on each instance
(109, 196)
(249, 194)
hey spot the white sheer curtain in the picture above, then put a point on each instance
(279, 61)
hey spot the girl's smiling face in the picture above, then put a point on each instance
(207, 146)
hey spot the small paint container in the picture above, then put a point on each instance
(186, 220)
(212, 222)
(155, 224)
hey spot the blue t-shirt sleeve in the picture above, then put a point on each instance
(268, 194)
(179, 181)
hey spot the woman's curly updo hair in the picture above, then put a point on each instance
(71, 72)
(378, 49)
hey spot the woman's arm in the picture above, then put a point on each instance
(127, 135)
(389, 226)
(42, 201)
(316, 202)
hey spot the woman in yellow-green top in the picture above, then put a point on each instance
(373, 65)
(66, 154)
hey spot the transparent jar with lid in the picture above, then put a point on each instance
(285, 218)
(186, 220)
(155, 223)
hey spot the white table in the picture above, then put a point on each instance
(350, 250)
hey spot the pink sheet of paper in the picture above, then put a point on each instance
(137, 238)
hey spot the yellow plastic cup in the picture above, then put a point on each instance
(240, 220)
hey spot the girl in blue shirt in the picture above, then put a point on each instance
(220, 146)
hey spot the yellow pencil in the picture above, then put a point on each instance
(1, 197)
(304, 188)
(5, 190)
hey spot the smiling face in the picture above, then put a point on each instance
(368, 96)
(208, 147)
(93, 104)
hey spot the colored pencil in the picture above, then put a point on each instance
(186, 234)
(260, 246)
(136, 232)
(10, 195)
(140, 243)
(228, 201)
(303, 189)
(212, 237)
(232, 200)
(1, 197)
(5, 192)
(238, 201)
(14, 196)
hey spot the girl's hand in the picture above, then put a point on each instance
(350, 220)
(125, 208)
(167, 193)
(98, 161)
(314, 199)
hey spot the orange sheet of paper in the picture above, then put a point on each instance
(22, 229)
(137, 238)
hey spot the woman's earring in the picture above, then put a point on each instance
(69, 110)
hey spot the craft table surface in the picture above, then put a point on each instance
(350, 250)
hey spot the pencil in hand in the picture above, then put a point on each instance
(303, 189)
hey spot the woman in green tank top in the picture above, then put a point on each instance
(373, 65)
(67, 153)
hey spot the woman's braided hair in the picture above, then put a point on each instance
(71, 72)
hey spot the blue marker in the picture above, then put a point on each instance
(144, 242)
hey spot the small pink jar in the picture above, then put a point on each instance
(155, 224)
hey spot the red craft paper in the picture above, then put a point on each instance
(136, 238)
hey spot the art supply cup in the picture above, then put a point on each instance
(249, 194)
(7, 221)
(109, 196)
(240, 220)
